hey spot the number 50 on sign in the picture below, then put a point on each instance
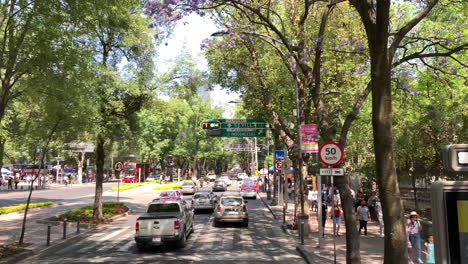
(331, 154)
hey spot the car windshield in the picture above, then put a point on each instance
(164, 208)
(248, 186)
(218, 182)
(166, 194)
(231, 201)
(187, 184)
(201, 196)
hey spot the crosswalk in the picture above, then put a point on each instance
(261, 242)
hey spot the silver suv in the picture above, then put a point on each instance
(231, 208)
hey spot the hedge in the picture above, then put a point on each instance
(19, 207)
(109, 209)
(133, 185)
(168, 186)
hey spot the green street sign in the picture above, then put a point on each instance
(251, 133)
(236, 128)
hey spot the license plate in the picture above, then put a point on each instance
(156, 239)
(232, 213)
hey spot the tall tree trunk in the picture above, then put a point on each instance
(100, 158)
(395, 246)
(79, 164)
(2, 150)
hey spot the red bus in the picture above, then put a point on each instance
(134, 169)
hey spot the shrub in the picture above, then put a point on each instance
(132, 185)
(109, 209)
(19, 207)
(168, 186)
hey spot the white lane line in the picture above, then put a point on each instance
(113, 234)
(108, 245)
(125, 247)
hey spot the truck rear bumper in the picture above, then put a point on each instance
(149, 240)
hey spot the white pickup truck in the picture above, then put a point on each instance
(165, 222)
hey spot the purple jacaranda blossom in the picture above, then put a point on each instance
(443, 62)
(414, 93)
(453, 120)
(292, 67)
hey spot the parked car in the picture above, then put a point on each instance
(231, 208)
(165, 221)
(203, 201)
(189, 187)
(170, 195)
(219, 185)
(248, 190)
(226, 180)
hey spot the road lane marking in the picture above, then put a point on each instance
(127, 246)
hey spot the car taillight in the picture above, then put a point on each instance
(218, 208)
(176, 224)
(192, 202)
(137, 226)
(193, 187)
(244, 208)
(211, 201)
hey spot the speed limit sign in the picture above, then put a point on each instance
(331, 154)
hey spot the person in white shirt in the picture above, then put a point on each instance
(312, 197)
(415, 230)
(363, 216)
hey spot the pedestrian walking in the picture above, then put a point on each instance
(312, 197)
(371, 204)
(429, 245)
(338, 212)
(324, 217)
(16, 182)
(415, 235)
(408, 244)
(378, 208)
(10, 183)
(363, 216)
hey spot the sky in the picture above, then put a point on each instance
(189, 33)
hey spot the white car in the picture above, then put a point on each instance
(226, 180)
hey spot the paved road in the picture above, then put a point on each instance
(55, 194)
(262, 242)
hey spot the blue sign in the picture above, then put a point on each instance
(279, 155)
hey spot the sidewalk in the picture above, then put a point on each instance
(372, 245)
(22, 186)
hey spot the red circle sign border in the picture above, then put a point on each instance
(117, 163)
(331, 143)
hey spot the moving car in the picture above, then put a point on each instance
(211, 176)
(231, 208)
(165, 221)
(203, 201)
(248, 190)
(219, 185)
(189, 187)
(226, 180)
(170, 195)
(241, 176)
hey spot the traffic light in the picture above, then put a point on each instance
(210, 125)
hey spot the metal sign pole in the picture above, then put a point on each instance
(334, 222)
(319, 211)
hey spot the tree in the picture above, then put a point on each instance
(376, 18)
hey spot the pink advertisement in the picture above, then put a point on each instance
(309, 138)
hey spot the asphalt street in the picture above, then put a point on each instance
(262, 242)
(55, 194)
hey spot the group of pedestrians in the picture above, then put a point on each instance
(10, 180)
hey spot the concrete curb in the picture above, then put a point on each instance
(268, 206)
(305, 255)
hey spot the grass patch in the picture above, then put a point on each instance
(20, 207)
(132, 185)
(109, 209)
(168, 186)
